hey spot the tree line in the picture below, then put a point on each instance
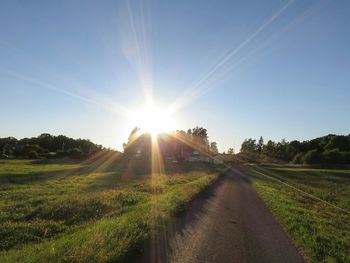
(329, 149)
(47, 145)
(178, 144)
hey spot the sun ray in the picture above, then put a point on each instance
(199, 87)
(139, 27)
(190, 144)
(113, 108)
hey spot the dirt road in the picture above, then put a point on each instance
(229, 223)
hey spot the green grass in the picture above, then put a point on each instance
(70, 212)
(321, 231)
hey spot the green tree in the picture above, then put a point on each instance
(338, 142)
(248, 146)
(270, 149)
(281, 150)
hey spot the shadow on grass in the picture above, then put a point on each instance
(35, 177)
(114, 168)
(158, 245)
(305, 174)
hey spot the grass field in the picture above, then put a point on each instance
(320, 230)
(87, 212)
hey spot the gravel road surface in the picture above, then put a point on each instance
(227, 223)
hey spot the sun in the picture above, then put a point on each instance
(154, 120)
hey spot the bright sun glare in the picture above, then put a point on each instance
(153, 120)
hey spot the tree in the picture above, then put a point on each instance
(292, 149)
(346, 157)
(281, 150)
(230, 151)
(332, 149)
(200, 138)
(132, 137)
(75, 152)
(214, 148)
(45, 143)
(338, 142)
(333, 156)
(249, 145)
(270, 149)
(260, 144)
(32, 155)
(6, 143)
(312, 157)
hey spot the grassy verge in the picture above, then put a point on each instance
(322, 231)
(58, 213)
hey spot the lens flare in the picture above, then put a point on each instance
(154, 120)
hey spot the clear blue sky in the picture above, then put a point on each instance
(277, 69)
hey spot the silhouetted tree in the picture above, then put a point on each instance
(230, 151)
(260, 144)
(214, 148)
(132, 137)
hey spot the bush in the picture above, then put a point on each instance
(313, 157)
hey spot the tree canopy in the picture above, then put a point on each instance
(329, 149)
(45, 144)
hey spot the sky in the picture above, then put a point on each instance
(241, 69)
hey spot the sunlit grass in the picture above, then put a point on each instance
(322, 231)
(81, 216)
(28, 166)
